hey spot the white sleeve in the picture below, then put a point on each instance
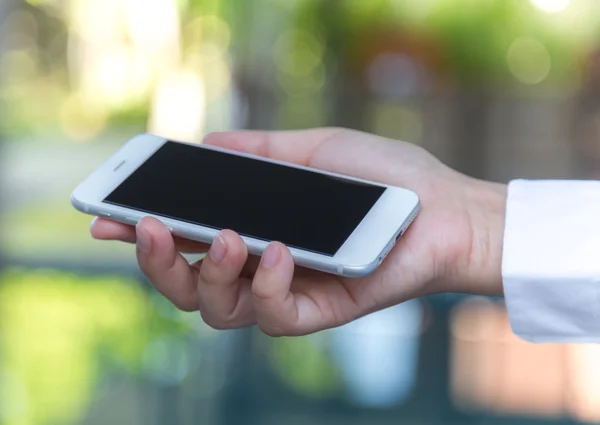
(551, 260)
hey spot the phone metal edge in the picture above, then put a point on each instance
(198, 233)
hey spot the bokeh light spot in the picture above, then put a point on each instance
(398, 122)
(298, 53)
(178, 107)
(551, 6)
(529, 60)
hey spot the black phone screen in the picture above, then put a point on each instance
(267, 201)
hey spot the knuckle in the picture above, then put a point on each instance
(279, 328)
(205, 274)
(338, 130)
(338, 133)
(262, 295)
(217, 323)
(185, 305)
(273, 331)
(265, 292)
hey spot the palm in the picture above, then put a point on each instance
(420, 253)
(317, 300)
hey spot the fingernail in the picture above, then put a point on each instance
(218, 249)
(144, 241)
(271, 256)
(93, 223)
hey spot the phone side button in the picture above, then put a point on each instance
(105, 214)
(131, 220)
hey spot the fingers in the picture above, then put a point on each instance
(341, 151)
(274, 303)
(213, 285)
(289, 303)
(167, 270)
(230, 298)
(225, 297)
(104, 229)
(109, 230)
(219, 288)
(289, 146)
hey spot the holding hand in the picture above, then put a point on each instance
(454, 245)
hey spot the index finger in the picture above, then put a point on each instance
(296, 147)
(109, 230)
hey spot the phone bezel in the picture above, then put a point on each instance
(360, 254)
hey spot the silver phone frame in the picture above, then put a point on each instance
(360, 255)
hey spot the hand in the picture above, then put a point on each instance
(454, 245)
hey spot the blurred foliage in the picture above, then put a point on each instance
(62, 335)
(308, 41)
(27, 232)
(477, 36)
(303, 364)
(470, 37)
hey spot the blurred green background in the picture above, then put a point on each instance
(496, 88)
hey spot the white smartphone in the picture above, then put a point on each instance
(329, 222)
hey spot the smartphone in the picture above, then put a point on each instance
(330, 222)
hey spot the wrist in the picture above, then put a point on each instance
(486, 207)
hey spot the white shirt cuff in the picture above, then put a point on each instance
(551, 260)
